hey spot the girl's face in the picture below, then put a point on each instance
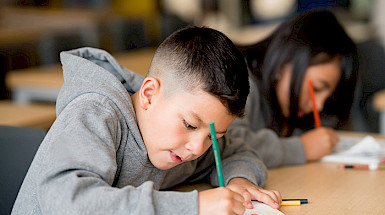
(325, 78)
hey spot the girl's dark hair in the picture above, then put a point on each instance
(299, 41)
(201, 57)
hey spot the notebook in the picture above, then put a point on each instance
(262, 209)
(354, 150)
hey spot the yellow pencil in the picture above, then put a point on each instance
(291, 203)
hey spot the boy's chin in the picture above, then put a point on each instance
(164, 166)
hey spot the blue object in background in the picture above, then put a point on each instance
(305, 5)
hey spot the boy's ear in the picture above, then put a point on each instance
(150, 87)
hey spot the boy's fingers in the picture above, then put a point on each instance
(238, 197)
(247, 201)
(238, 208)
(271, 198)
(276, 196)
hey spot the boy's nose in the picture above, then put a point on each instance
(197, 146)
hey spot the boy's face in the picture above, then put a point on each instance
(176, 129)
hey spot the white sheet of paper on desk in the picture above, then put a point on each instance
(262, 209)
(366, 146)
(357, 151)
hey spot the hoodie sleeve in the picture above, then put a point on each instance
(79, 167)
(239, 161)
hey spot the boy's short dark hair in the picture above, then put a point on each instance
(203, 57)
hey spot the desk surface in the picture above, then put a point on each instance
(43, 83)
(379, 105)
(50, 79)
(29, 115)
(52, 76)
(379, 101)
(50, 19)
(330, 190)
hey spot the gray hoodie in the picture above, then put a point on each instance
(275, 151)
(93, 159)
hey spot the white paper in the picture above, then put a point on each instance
(367, 146)
(357, 151)
(261, 209)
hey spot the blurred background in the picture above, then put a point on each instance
(33, 32)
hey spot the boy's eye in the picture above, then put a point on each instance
(217, 136)
(188, 125)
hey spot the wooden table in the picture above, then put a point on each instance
(379, 105)
(46, 21)
(329, 189)
(29, 115)
(44, 83)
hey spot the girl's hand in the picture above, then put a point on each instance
(319, 142)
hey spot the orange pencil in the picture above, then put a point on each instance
(317, 120)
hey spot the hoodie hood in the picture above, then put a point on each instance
(91, 70)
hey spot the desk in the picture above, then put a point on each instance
(330, 190)
(50, 21)
(137, 60)
(29, 115)
(44, 83)
(379, 105)
(30, 36)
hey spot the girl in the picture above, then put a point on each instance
(312, 46)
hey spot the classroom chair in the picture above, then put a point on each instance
(18, 146)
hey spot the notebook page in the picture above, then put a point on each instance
(262, 209)
(353, 150)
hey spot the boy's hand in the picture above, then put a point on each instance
(220, 200)
(318, 143)
(251, 192)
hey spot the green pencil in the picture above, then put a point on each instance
(216, 155)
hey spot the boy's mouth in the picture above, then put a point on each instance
(175, 158)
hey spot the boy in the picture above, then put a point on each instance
(119, 138)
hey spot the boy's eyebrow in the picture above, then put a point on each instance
(200, 121)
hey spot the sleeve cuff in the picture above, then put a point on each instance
(256, 174)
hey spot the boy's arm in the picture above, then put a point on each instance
(239, 160)
(78, 167)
